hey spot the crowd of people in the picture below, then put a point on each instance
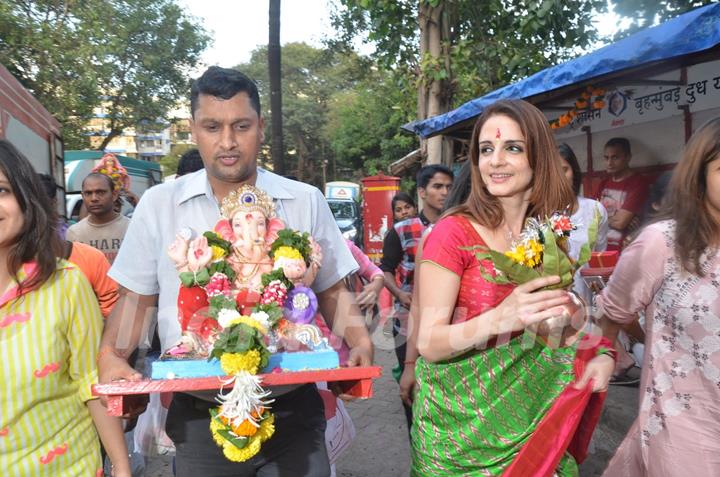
(478, 398)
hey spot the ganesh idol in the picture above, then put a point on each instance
(250, 225)
(241, 241)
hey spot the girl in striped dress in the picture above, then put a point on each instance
(50, 326)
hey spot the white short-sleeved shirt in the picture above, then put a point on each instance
(582, 218)
(143, 265)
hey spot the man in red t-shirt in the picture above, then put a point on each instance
(622, 192)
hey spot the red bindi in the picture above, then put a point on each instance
(497, 134)
(248, 216)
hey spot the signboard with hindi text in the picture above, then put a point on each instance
(650, 116)
(628, 105)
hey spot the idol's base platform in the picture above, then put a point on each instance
(123, 396)
(202, 368)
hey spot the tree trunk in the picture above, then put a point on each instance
(274, 70)
(432, 98)
(422, 89)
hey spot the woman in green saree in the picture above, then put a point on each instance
(483, 387)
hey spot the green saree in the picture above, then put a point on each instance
(473, 414)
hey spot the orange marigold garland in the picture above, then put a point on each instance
(591, 98)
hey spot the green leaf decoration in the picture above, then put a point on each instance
(242, 340)
(273, 310)
(222, 267)
(556, 262)
(187, 279)
(291, 238)
(217, 241)
(190, 279)
(551, 259)
(214, 415)
(202, 277)
(238, 339)
(276, 275)
(587, 248)
(220, 302)
(264, 358)
(237, 441)
(567, 278)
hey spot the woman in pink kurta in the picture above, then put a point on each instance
(672, 273)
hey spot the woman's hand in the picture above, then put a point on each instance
(371, 291)
(310, 274)
(599, 370)
(527, 306)
(405, 299)
(407, 384)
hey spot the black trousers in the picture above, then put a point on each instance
(400, 352)
(296, 449)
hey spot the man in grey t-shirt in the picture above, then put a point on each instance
(228, 130)
(103, 228)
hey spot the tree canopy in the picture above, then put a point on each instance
(130, 56)
(487, 43)
(341, 113)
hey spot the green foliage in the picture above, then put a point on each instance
(130, 56)
(556, 262)
(223, 267)
(364, 123)
(170, 161)
(645, 13)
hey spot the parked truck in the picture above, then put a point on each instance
(33, 131)
(344, 201)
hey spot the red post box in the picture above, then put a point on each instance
(377, 192)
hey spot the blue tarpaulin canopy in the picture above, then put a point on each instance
(688, 34)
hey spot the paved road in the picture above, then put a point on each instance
(381, 446)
